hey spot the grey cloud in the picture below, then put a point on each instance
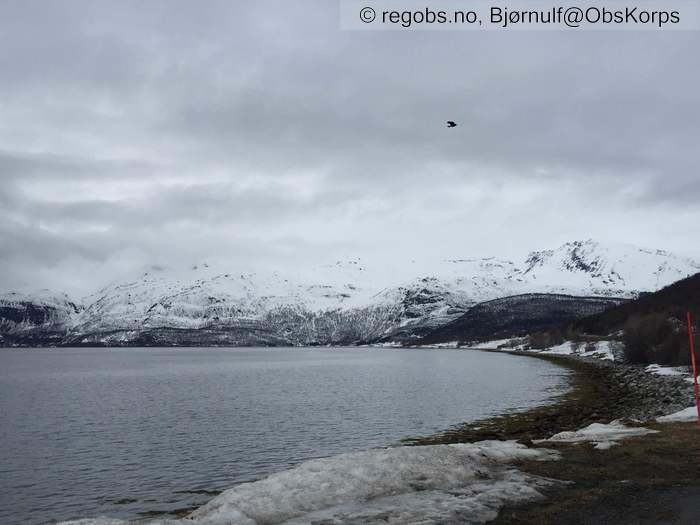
(124, 124)
(20, 166)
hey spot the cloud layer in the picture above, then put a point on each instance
(174, 131)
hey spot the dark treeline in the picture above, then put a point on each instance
(653, 327)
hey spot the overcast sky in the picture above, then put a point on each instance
(141, 132)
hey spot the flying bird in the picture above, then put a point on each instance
(451, 124)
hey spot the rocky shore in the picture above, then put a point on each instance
(650, 479)
(644, 396)
(602, 391)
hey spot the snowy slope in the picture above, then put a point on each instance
(604, 269)
(36, 317)
(350, 301)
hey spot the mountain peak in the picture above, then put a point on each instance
(347, 300)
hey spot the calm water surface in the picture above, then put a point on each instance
(129, 432)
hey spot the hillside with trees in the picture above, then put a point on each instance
(652, 327)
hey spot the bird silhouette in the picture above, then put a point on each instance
(451, 124)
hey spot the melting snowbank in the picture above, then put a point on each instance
(427, 484)
(659, 370)
(490, 345)
(680, 371)
(604, 436)
(600, 349)
(686, 415)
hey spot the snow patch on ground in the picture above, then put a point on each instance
(562, 349)
(603, 350)
(666, 370)
(670, 371)
(688, 414)
(428, 484)
(600, 349)
(604, 436)
(389, 344)
(490, 345)
(450, 344)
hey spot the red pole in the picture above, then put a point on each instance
(692, 360)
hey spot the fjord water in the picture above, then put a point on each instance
(136, 432)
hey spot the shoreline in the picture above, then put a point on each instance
(601, 391)
(644, 480)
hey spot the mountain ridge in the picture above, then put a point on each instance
(346, 302)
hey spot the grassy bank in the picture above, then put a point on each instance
(651, 479)
(646, 480)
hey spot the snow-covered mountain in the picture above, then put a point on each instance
(341, 303)
(605, 269)
(42, 317)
